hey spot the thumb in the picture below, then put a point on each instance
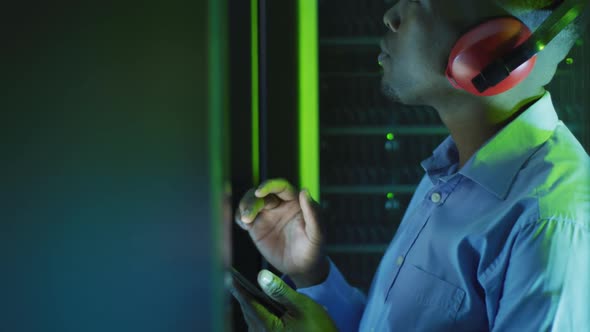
(278, 290)
(310, 216)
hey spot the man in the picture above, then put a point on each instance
(497, 234)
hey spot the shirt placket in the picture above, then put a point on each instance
(434, 198)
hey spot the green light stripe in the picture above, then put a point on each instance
(255, 92)
(309, 165)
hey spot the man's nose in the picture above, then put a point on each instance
(391, 19)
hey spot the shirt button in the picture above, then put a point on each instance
(435, 197)
(400, 260)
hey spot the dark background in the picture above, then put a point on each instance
(107, 219)
(116, 148)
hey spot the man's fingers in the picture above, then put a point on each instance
(280, 187)
(254, 323)
(250, 207)
(237, 292)
(265, 318)
(238, 220)
(279, 291)
(310, 217)
(255, 314)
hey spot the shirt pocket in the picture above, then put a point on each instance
(423, 301)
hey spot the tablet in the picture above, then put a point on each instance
(271, 305)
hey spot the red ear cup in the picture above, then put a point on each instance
(481, 46)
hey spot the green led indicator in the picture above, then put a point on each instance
(390, 195)
(390, 136)
(569, 61)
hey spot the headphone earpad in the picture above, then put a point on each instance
(481, 46)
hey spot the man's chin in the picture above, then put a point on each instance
(390, 93)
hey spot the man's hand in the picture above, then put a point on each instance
(284, 225)
(303, 314)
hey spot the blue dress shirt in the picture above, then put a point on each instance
(503, 244)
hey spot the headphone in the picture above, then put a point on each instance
(498, 54)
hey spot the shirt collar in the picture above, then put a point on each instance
(495, 165)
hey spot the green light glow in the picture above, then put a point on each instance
(390, 136)
(390, 195)
(561, 18)
(307, 28)
(255, 92)
(569, 61)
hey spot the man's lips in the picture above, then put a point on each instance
(382, 57)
